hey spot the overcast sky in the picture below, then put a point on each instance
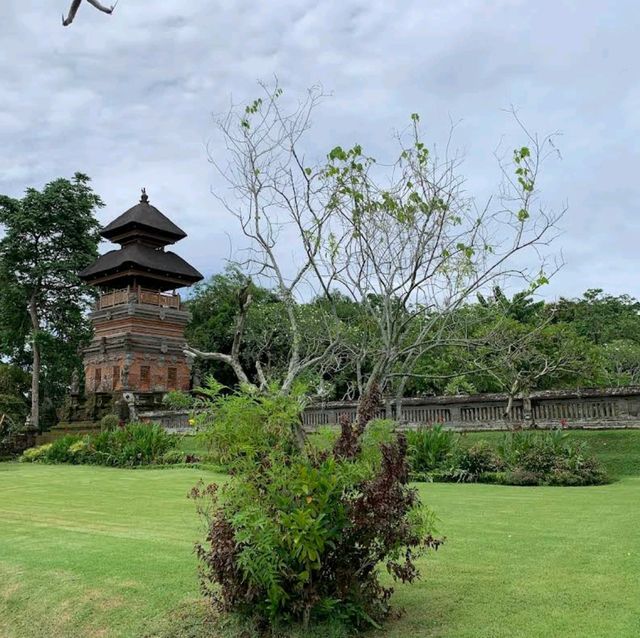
(129, 98)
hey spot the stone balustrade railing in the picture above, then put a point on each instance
(601, 408)
(139, 295)
(610, 407)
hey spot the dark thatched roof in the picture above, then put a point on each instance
(145, 258)
(143, 216)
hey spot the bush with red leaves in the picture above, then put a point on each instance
(303, 537)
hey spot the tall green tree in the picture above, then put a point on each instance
(600, 317)
(50, 235)
(247, 335)
(14, 404)
(215, 305)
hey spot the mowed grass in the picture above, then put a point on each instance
(90, 551)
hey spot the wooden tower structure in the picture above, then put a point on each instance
(139, 319)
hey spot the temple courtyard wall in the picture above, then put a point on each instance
(609, 408)
(587, 408)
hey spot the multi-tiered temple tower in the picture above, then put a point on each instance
(139, 320)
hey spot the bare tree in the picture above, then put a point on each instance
(409, 244)
(75, 5)
(280, 205)
(404, 241)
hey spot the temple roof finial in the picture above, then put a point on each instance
(143, 222)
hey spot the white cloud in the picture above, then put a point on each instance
(128, 99)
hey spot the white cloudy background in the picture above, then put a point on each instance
(128, 99)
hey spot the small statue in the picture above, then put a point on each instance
(197, 380)
(75, 383)
(124, 375)
(123, 411)
(130, 399)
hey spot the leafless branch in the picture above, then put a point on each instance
(75, 5)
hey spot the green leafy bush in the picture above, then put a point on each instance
(35, 454)
(550, 458)
(79, 450)
(247, 424)
(516, 444)
(471, 464)
(67, 449)
(521, 458)
(431, 448)
(59, 451)
(135, 444)
(299, 534)
(179, 400)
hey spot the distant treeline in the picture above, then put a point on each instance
(495, 344)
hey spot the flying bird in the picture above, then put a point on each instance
(75, 5)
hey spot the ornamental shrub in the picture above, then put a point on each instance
(475, 461)
(520, 476)
(35, 454)
(521, 458)
(247, 424)
(179, 400)
(549, 458)
(577, 471)
(136, 444)
(300, 535)
(515, 445)
(431, 448)
(79, 451)
(59, 452)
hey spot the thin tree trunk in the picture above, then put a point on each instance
(368, 403)
(527, 412)
(507, 411)
(388, 408)
(35, 372)
(399, 396)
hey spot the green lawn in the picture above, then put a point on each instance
(90, 551)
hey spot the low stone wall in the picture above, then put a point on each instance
(175, 421)
(585, 408)
(77, 428)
